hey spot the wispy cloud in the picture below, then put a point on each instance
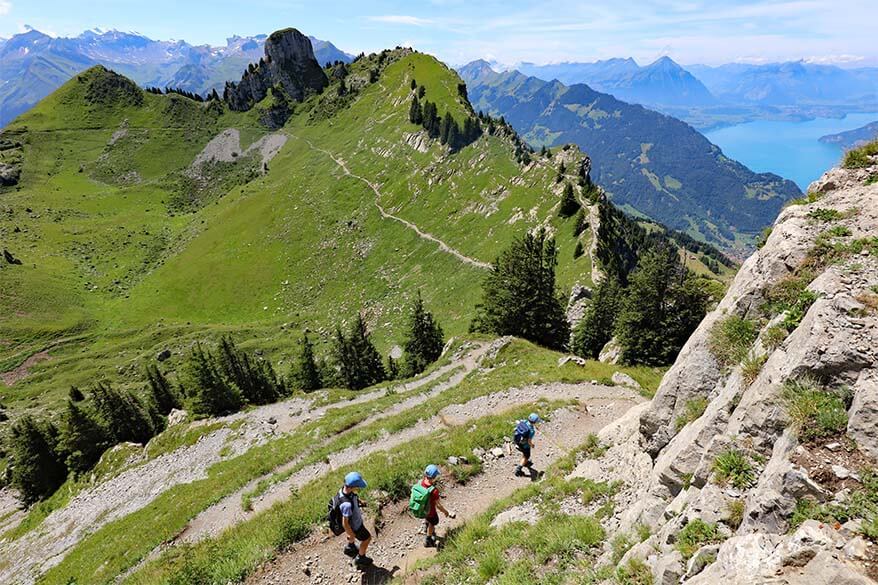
(400, 19)
(5, 7)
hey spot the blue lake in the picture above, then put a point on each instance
(789, 149)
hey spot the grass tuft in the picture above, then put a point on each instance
(815, 411)
(694, 408)
(731, 338)
(733, 467)
(694, 535)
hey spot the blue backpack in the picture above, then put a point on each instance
(522, 433)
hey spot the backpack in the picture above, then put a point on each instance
(334, 514)
(522, 433)
(419, 501)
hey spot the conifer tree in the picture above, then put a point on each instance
(424, 340)
(37, 469)
(392, 368)
(75, 394)
(83, 440)
(445, 128)
(578, 251)
(210, 394)
(307, 372)
(519, 296)
(415, 114)
(358, 360)
(123, 416)
(569, 204)
(663, 305)
(164, 395)
(422, 91)
(414, 84)
(255, 379)
(598, 322)
(580, 223)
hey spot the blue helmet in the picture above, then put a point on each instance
(354, 479)
(534, 418)
(432, 471)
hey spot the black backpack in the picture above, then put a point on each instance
(334, 515)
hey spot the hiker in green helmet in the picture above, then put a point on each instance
(524, 442)
(425, 502)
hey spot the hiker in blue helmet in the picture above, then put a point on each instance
(352, 519)
(431, 476)
(524, 441)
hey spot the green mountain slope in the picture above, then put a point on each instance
(123, 253)
(651, 164)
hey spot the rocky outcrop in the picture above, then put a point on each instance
(709, 415)
(288, 64)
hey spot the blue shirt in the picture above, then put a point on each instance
(350, 509)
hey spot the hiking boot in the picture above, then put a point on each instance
(518, 472)
(351, 550)
(363, 561)
(429, 542)
(529, 464)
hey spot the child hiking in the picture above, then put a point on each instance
(425, 503)
(346, 518)
(524, 442)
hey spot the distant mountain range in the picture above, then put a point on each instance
(663, 82)
(707, 97)
(33, 64)
(651, 164)
(853, 138)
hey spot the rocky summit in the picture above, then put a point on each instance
(289, 61)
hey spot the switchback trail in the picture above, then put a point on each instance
(397, 546)
(387, 215)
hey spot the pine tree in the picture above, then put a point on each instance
(82, 439)
(210, 394)
(414, 84)
(424, 340)
(580, 224)
(569, 204)
(163, 393)
(444, 128)
(392, 368)
(307, 372)
(37, 469)
(422, 91)
(519, 296)
(75, 394)
(578, 251)
(598, 322)
(358, 360)
(121, 414)
(663, 306)
(415, 114)
(255, 379)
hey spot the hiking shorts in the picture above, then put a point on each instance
(362, 533)
(433, 519)
(524, 448)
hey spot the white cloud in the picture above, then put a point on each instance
(835, 59)
(400, 19)
(5, 7)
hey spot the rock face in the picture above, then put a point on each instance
(288, 64)
(826, 337)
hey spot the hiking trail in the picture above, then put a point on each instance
(387, 215)
(396, 544)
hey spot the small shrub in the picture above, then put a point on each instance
(620, 544)
(870, 529)
(815, 411)
(806, 199)
(634, 572)
(731, 338)
(858, 158)
(735, 514)
(839, 231)
(763, 237)
(751, 366)
(773, 336)
(733, 467)
(694, 408)
(824, 214)
(643, 532)
(872, 179)
(694, 535)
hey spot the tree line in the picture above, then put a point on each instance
(44, 453)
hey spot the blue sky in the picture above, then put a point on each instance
(690, 31)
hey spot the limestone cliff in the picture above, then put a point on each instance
(289, 64)
(756, 460)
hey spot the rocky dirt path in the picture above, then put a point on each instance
(397, 546)
(387, 215)
(230, 511)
